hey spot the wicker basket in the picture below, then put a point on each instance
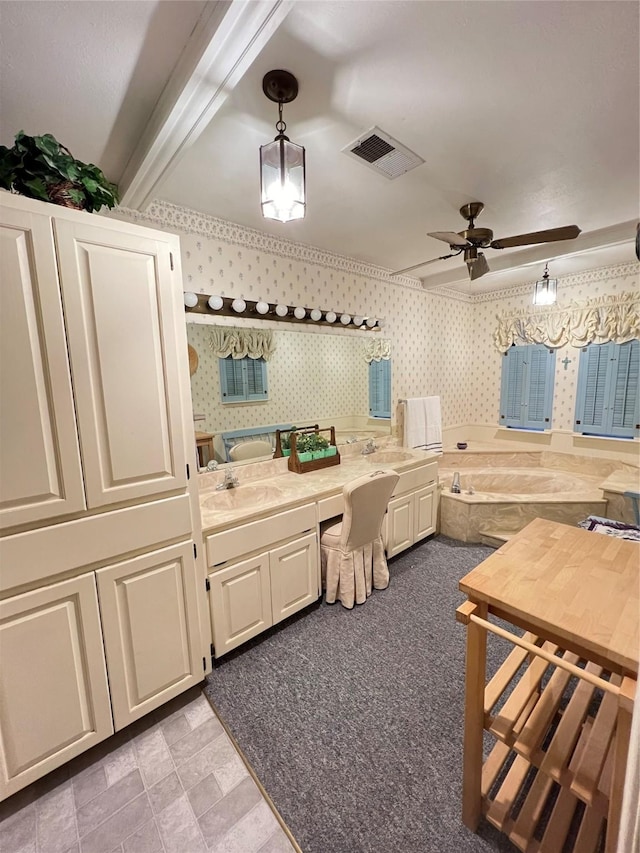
(59, 194)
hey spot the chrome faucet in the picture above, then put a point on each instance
(230, 480)
(455, 483)
(369, 447)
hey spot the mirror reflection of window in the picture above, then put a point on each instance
(380, 389)
(243, 380)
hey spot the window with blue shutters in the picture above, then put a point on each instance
(526, 397)
(608, 400)
(380, 389)
(243, 380)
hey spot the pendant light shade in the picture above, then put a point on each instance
(282, 162)
(545, 290)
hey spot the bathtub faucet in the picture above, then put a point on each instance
(455, 483)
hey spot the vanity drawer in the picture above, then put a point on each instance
(256, 535)
(416, 478)
(330, 507)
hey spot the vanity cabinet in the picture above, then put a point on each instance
(101, 621)
(412, 511)
(250, 592)
(53, 680)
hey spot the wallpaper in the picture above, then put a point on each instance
(441, 341)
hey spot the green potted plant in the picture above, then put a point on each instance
(285, 442)
(40, 167)
(319, 446)
(304, 447)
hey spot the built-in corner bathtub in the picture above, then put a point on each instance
(501, 493)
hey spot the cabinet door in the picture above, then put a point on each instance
(120, 303)
(151, 629)
(240, 602)
(295, 580)
(424, 516)
(39, 455)
(53, 682)
(399, 525)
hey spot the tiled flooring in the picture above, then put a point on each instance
(170, 783)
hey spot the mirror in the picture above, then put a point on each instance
(312, 377)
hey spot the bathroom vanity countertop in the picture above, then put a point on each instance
(271, 487)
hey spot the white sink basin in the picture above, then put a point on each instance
(388, 456)
(248, 495)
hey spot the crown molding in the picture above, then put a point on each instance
(168, 215)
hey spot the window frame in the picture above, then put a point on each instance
(606, 386)
(526, 386)
(230, 387)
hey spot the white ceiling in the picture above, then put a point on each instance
(530, 107)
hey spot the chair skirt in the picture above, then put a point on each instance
(349, 576)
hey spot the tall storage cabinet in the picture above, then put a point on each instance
(97, 511)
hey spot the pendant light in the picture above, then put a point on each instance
(545, 289)
(282, 166)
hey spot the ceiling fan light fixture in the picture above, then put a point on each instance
(545, 289)
(282, 162)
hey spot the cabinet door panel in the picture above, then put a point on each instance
(424, 513)
(151, 629)
(117, 293)
(39, 455)
(294, 576)
(398, 528)
(240, 602)
(55, 700)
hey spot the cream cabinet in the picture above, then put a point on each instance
(90, 364)
(149, 615)
(249, 592)
(53, 681)
(98, 514)
(412, 511)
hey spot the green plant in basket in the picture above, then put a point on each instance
(40, 167)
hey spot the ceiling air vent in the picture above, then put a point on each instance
(383, 153)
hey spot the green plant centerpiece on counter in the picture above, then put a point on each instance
(307, 448)
(40, 167)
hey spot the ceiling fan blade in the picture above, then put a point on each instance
(450, 237)
(423, 264)
(569, 232)
(478, 267)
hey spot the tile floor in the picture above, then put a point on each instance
(170, 783)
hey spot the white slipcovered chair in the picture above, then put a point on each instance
(250, 450)
(351, 550)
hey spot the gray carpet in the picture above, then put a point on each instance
(353, 720)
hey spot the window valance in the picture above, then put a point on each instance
(604, 318)
(241, 343)
(377, 350)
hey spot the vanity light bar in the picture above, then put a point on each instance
(199, 303)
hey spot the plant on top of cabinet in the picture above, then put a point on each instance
(40, 167)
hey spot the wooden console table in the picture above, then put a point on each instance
(560, 705)
(204, 444)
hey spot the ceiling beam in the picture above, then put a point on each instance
(603, 238)
(228, 37)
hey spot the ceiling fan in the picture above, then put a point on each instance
(472, 239)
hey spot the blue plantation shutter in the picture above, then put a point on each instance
(380, 389)
(607, 401)
(526, 394)
(242, 379)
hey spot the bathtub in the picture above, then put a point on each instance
(497, 498)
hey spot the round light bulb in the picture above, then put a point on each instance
(316, 315)
(238, 305)
(190, 300)
(358, 321)
(299, 313)
(371, 321)
(262, 307)
(282, 310)
(345, 319)
(330, 317)
(380, 323)
(215, 303)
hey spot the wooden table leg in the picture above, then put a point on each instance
(621, 746)
(475, 678)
